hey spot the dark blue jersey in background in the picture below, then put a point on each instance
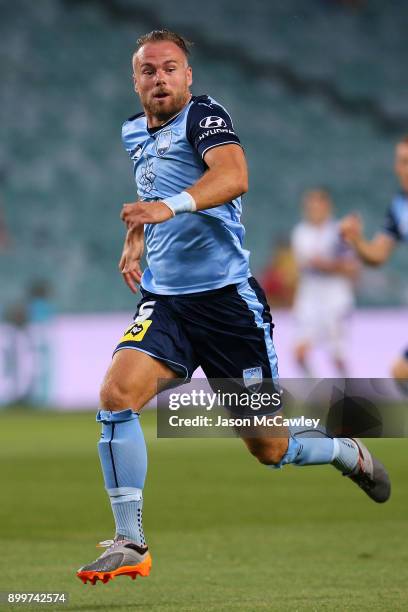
(396, 220)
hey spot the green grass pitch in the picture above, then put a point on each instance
(225, 532)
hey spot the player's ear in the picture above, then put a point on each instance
(189, 76)
(134, 71)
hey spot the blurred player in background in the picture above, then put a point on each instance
(377, 251)
(325, 294)
(200, 305)
(279, 277)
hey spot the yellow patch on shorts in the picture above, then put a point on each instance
(136, 332)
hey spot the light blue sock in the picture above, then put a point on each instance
(340, 452)
(122, 451)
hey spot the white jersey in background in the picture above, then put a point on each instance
(323, 300)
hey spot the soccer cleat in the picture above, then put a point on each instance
(122, 558)
(370, 475)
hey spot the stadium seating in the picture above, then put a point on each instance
(66, 88)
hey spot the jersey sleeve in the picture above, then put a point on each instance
(390, 225)
(208, 126)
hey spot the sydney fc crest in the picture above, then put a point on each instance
(163, 142)
(252, 378)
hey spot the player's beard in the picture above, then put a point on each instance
(164, 111)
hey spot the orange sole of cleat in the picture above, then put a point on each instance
(142, 569)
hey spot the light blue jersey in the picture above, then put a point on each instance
(192, 252)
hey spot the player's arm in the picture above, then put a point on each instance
(129, 264)
(344, 266)
(373, 252)
(225, 179)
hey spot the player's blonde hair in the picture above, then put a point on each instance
(160, 35)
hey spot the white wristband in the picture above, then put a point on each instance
(180, 203)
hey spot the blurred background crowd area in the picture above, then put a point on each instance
(317, 91)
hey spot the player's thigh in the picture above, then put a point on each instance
(153, 348)
(133, 379)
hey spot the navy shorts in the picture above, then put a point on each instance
(227, 331)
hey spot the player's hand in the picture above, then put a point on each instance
(139, 213)
(129, 264)
(351, 228)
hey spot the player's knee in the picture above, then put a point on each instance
(268, 451)
(113, 396)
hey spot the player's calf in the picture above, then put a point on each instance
(301, 353)
(399, 372)
(268, 451)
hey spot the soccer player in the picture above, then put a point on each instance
(324, 297)
(377, 251)
(200, 305)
